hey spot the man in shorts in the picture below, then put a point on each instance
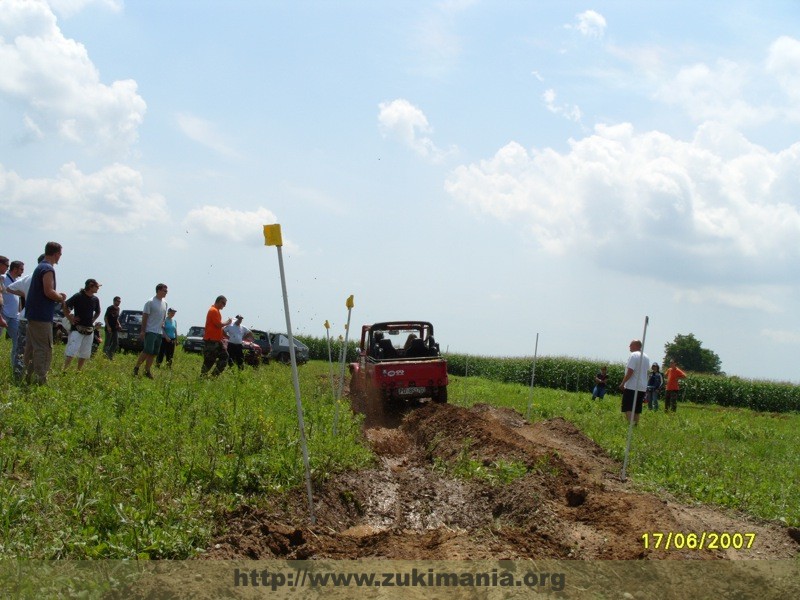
(86, 307)
(634, 384)
(153, 316)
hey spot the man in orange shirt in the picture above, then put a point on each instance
(214, 351)
(674, 374)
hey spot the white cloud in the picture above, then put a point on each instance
(67, 8)
(110, 200)
(783, 63)
(205, 132)
(402, 120)
(781, 336)
(572, 113)
(718, 207)
(230, 225)
(590, 24)
(57, 84)
(734, 298)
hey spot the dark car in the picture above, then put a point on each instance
(131, 325)
(194, 339)
(261, 339)
(280, 349)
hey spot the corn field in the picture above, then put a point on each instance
(577, 375)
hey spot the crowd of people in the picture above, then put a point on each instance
(28, 310)
(642, 384)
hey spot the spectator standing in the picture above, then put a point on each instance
(153, 316)
(3, 268)
(86, 308)
(213, 350)
(654, 385)
(634, 384)
(112, 327)
(20, 287)
(40, 304)
(600, 380)
(10, 311)
(674, 375)
(169, 339)
(236, 335)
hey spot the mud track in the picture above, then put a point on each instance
(569, 504)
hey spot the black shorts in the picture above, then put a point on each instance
(627, 400)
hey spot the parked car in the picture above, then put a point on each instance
(261, 338)
(280, 349)
(131, 325)
(194, 339)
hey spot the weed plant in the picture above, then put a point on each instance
(99, 464)
(731, 457)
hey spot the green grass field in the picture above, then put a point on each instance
(98, 464)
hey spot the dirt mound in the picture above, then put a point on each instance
(481, 483)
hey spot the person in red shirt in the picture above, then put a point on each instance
(674, 374)
(213, 350)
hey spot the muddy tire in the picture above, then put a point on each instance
(440, 396)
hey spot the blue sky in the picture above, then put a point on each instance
(501, 169)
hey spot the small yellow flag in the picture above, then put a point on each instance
(349, 303)
(272, 235)
(327, 325)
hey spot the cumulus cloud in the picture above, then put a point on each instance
(590, 24)
(402, 120)
(109, 200)
(58, 87)
(718, 203)
(570, 112)
(230, 225)
(783, 63)
(67, 8)
(205, 133)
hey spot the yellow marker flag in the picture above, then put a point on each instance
(349, 303)
(327, 325)
(272, 235)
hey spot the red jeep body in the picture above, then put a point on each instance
(399, 360)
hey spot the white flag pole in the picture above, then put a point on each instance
(533, 375)
(349, 304)
(330, 358)
(272, 237)
(637, 374)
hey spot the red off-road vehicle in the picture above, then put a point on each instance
(398, 361)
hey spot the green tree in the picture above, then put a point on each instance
(689, 353)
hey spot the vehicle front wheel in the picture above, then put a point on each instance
(285, 358)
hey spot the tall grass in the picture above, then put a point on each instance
(99, 464)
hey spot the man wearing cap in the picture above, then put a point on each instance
(236, 336)
(113, 326)
(168, 339)
(86, 308)
(10, 310)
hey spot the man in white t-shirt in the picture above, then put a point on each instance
(634, 384)
(20, 287)
(236, 336)
(153, 316)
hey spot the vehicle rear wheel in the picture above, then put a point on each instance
(285, 358)
(440, 396)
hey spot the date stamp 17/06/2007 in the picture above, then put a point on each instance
(705, 540)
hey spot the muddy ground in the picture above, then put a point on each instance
(569, 504)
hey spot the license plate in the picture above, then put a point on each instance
(410, 391)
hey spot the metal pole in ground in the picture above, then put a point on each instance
(330, 358)
(533, 376)
(273, 237)
(635, 400)
(349, 304)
